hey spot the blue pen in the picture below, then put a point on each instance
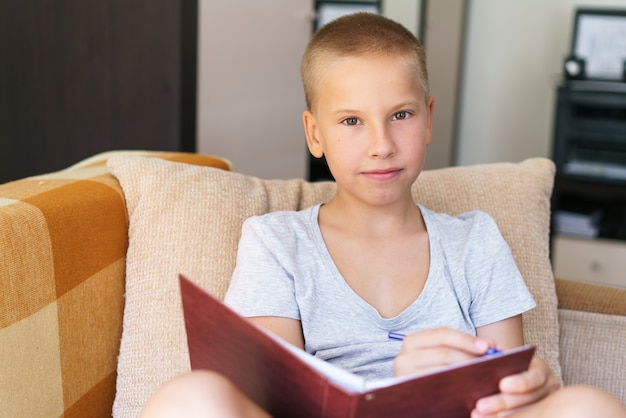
(396, 336)
(399, 337)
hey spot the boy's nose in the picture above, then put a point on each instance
(381, 144)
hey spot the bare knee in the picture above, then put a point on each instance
(200, 394)
(584, 401)
(184, 395)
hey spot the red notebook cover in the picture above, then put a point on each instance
(287, 382)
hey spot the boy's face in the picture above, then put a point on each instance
(372, 122)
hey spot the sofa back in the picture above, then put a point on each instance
(186, 219)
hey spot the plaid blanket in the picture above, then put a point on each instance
(63, 241)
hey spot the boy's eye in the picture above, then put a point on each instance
(400, 115)
(350, 121)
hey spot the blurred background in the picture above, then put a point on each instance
(222, 77)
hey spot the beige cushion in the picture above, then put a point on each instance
(187, 219)
(604, 336)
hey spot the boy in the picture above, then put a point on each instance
(334, 279)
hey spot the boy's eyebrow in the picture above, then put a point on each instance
(408, 103)
(345, 111)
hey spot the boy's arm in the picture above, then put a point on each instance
(506, 334)
(288, 329)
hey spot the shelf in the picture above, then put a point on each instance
(597, 261)
(590, 134)
(591, 187)
(589, 150)
(588, 196)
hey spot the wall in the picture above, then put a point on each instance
(407, 12)
(250, 99)
(443, 39)
(513, 56)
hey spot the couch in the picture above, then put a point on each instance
(90, 321)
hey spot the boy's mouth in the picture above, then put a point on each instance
(382, 174)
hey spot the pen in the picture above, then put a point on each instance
(396, 336)
(399, 337)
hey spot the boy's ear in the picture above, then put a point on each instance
(431, 108)
(311, 132)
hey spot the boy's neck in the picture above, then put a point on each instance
(373, 220)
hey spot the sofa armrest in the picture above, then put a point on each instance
(62, 262)
(588, 297)
(592, 322)
(63, 244)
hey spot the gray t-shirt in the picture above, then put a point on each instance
(284, 269)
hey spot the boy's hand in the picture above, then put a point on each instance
(435, 348)
(518, 391)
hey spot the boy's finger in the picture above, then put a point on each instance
(446, 337)
(537, 375)
(496, 404)
(438, 357)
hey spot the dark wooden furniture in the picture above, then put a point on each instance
(81, 77)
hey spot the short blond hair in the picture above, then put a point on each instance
(357, 35)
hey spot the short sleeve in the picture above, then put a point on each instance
(262, 283)
(497, 287)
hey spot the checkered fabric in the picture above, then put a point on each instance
(63, 241)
